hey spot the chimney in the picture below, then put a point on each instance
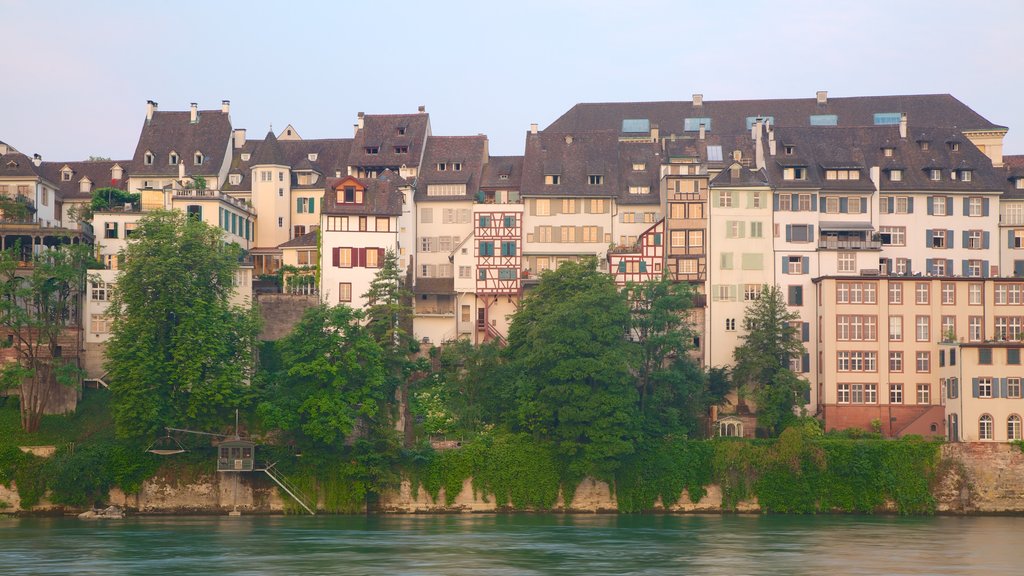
(822, 96)
(698, 99)
(355, 129)
(225, 106)
(181, 169)
(737, 155)
(771, 142)
(655, 133)
(755, 129)
(37, 160)
(533, 128)
(422, 109)
(239, 137)
(360, 118)
(194, 113)
(703, 130)
(150, 108)
(903, 125)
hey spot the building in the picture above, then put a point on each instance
(981, 387)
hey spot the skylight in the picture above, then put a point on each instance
(636, 126)
(883, 118)
(693, 124)
(826, 120)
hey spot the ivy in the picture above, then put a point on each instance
(663, 469)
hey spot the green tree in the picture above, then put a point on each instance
(39, 307)
(389, 321)
(770, 344)
(469, 390)
(573, 362)
(332, 379)
(107, 198)
(180, 353)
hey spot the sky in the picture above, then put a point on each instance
(76, 75)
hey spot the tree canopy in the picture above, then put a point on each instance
(770, 344)
(180, 353)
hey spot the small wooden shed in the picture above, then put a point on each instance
(236, 456)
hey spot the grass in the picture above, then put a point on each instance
(91, 419)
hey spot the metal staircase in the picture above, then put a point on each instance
(290, 488)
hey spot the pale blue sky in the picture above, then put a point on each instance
(76, 75)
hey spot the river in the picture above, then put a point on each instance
(513, 544)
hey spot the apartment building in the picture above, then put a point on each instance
(981, 388)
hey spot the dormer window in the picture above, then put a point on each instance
(246, 156)
(65, 175)
(965, 175)
(595, 179)
(789, 150)
(235, 179)
(552, 179)
(312, 156)
(147, 158)
(198, 159)
(639, 166)
(794, 173)
(441, 166)
(401, 130)
(401, 149)
(172, 158)
(842, 174)
(935, 174)
(896, 175)
(351, 195)
(457, 166)
(925, 145)
(372, 149)
(954, 146)
(1020, 181)
(888, 152)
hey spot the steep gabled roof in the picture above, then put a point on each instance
(504, 172)
(97, 171)
(382, 195)
(469, 152)
(268, 153)
(385, 133)
(174, 131)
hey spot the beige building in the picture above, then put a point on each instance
(981, 385)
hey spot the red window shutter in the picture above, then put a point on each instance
(380, 257)
(336, 256)
(360, 257)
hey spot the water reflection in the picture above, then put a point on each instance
(513, 544)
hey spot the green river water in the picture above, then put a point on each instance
(514, 544)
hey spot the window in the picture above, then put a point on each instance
(985, 356)
(924, 361)
(372, 149)
(486, 249)
(383, 224)
(373, 257)
(552, 179)
(985, 427)
(757, 230)
(856, 361)
(543, 207)
(99, 324)
(198, 158)
(110, 230)
(948, 327)
(280, 222)
(974, 329)
(895, 328)
(344, 292)
(974, 239)
(975, 268)
(148, 158)
(935, 174)
(974, 294)
(922, 328)
(843, 394)
(100, 291)
(856, 292)
(895, 175)
(597, 206)
(639, 166)
(847, 262)
(639, 189)
(924, 393)
(895, 361)
(595, 180)
(794, 173)
(895, 293)
(844, 174)
(800, 233)
(730, 324)
(921, 292)
(1013, 388)
(804, 202)
(265, 176)
(896, 393)
(1013, 427)
(725, 199)
(796, 295)
(343, 258)
(734, 229)
(751, 292)
(939, 205)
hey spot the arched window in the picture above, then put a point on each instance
(1013, 427)
(148, 158)
(172, 158)
(198, 158)
(985, 427)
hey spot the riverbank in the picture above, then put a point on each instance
(970, 479)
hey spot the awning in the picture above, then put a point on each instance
(853, 225)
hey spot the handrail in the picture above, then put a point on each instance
(288, 487)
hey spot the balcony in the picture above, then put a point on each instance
(833, 243)
(206, 194)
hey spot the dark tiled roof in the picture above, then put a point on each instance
(331, 158)
(174, 131)
(736, 175)
(1013, 168)
(97, 171)
(382, 197)
(511, 167)
(268, 153)
(730, 116)
(15, 163)
(434, 286)
(824, 147)
(575, 158)
(382, 131)
(308, 240)
(469, 151)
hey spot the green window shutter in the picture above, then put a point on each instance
(974, 387)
